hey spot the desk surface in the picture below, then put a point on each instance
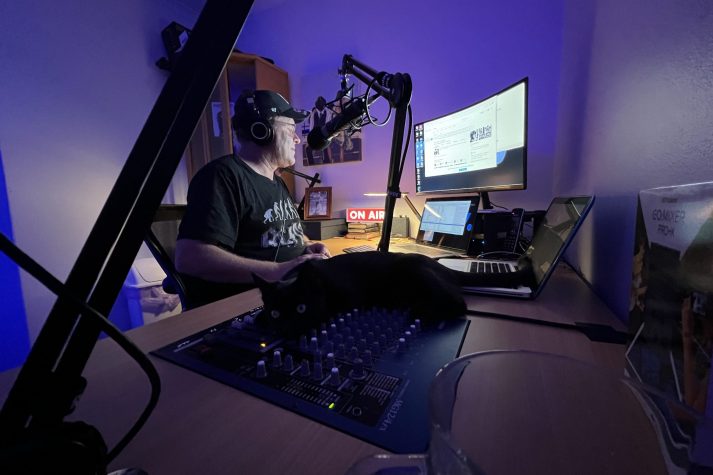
(202, 426)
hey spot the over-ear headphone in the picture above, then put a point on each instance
(260, 129)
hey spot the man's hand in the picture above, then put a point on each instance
(279, 269)
(213, 263)
(318, 248)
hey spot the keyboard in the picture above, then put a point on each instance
(490, 267)
(362, 248)
(421, 249)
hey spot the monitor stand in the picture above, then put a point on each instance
(485, 200)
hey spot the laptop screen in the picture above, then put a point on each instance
(563, 218)
(448, 222)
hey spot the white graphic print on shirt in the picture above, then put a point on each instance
(282, 233)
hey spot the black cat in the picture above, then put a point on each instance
(317, 290)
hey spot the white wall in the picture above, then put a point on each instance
(77, 82)
(456, 53)
(636, 113)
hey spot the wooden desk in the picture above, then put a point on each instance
(202, 426)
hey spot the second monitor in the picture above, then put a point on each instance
(480, 148)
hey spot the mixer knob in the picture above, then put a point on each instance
(317, 371)
(276, 359)
(367, 358)
(357, 371)
(289, 364)
(261, 370)
(332, 330)
(318, 357)
(341, 350)
(383, 342)
(304, 368)
(347, 332)
(412, 328)
(402, 346)
(348, 318)
(323, 338)
(358, 334)
(417, 324)
(362, 344)
(330, 360)
(376, 348)
(340, 324)
(408, 336)
(303, 343)
(353, 354)
(350, 341)
(329, 347)
(334, 378)
(313, 344)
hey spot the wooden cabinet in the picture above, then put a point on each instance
(213, 136)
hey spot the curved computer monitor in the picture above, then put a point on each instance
(480, 148)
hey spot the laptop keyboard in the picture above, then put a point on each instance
(402, 247)
(418, 249)
(490, 267)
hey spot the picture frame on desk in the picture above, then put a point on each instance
(318, 203)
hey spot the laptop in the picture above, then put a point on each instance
(445, 228)
(563, 218)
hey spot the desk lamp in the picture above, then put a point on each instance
(404, 195)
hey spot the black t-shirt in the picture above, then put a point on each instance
(235, 208)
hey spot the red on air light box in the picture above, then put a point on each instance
(365, 215)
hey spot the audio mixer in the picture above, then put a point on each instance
(366, 372)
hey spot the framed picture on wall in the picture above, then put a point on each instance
(344, 147)
(318, 202)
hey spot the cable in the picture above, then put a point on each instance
(60, 289)
(498, 206)
(485, 254)
(368, 114)
(593, 331)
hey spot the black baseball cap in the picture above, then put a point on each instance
(268, 104)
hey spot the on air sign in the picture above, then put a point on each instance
(365, 215)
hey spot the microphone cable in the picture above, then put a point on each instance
(369, 119)
(60, 289)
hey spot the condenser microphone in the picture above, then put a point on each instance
(320, 137)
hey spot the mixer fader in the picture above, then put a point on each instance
(365, 372)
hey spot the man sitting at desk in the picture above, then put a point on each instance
(240, 219)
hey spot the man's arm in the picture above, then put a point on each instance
(210, 262)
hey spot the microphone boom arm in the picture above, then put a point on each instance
(396, 89)
(312, 180)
